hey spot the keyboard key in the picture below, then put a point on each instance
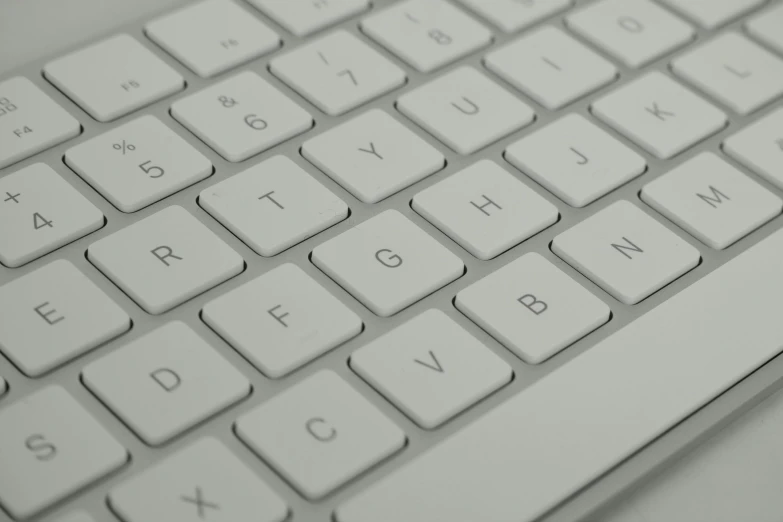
(319, 434)
(427, 34)
(212, 36)
(373, 156)
(241, 116)
(30, 121)
(50, 447)
(626, 252)
(712, 200)
(113, 77)
(273, 205)
(138, 163)
(465, 110)
(759, 147)
(203, 481)
(80, 516)
(636, 32)
(41, 212)
(299, 320)
(165, 382)
(659, 115)
(431, 382)
(532, 308)
(304, 17)
(165, 259)
(54, 314)
(576, 160)
(713, 13)
(766, 28)
(551, 67)
(338, 72)
(387, 263)
(515, 15)
(485, 209)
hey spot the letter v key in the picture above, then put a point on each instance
(436, 367)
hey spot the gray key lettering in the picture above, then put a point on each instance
(583, 160)
(11, 197)
(166, 252)
(42, 448)
(630, 247)
(201, 504)
(435, 367)
(372, 151)
(489, 203)
(268, 196)
(533, 304)
(46, 315)
(716, 198)
(470, 110)
(739, 74)
(392, 261)
(632, 25)
(278, 318)
(551, 63)
(658, 112)
(168, 379)
(320, 429)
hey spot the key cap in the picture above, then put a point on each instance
(387, 263)
(53, 315)
(212, 36)
(373, 156)
(41, 212)
(113, 77)
(273, 205)
(81, 516)
(427, 34)
(30, 121)
(659, 115)
(515, 15)
(636, 32)
(626, 252)
(766, 28)
(550, 67)
(465, 110)
(241, 116)
(576, 160)
(431, 382)
(3, 387)
(532, 308)
(165, 259)
(713, 13)
(485, 209)
(305, 17)
(712, 200)
(338, 72)
(50, 447)
(204, 481)
(165, 382)
(138, 163)
(299, 320)
(759, 147)
(319, 434)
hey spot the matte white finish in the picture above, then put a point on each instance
(50, 447)
(713, 13)
(81, 516)
(304, 17)
(319, 434)
(516, 472)
(273, 205)
(513, 15)
(759, 147)
(373, 156)
(766, 27)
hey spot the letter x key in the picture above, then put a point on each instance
(201, 504)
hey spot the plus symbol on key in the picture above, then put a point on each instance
(11, 197)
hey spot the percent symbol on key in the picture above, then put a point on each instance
(123, 147)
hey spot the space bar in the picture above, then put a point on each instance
(545, 443)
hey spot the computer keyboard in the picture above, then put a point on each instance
(381, 261)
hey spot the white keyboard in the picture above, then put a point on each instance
(385, 261)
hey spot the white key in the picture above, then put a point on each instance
(80, 516)
(713, 13)
(759, 147)
(203, 481)
(241, 116)
(576, 160)
(113, 77)
(165, 382)
(273, 205)
(319, 434)
(515, 15)
(298, 320)
(427, 34)
(212, 36)
(338, 72)
(636, 32)
(54, 314)
(532, 308)
(50, 447)
(30, 121)
(431, 368)
(766, 28)
(373, 156)
(731, 68)
(485, 209)
(712, 200)
(659, 115)
(465, 110)
(551, 67)
(626, 252)
(138, 163)
(41, 212)
(165, 259)
(304, 17)
(387, 263)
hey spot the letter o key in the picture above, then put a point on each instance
(320, 429)
(392, 261)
